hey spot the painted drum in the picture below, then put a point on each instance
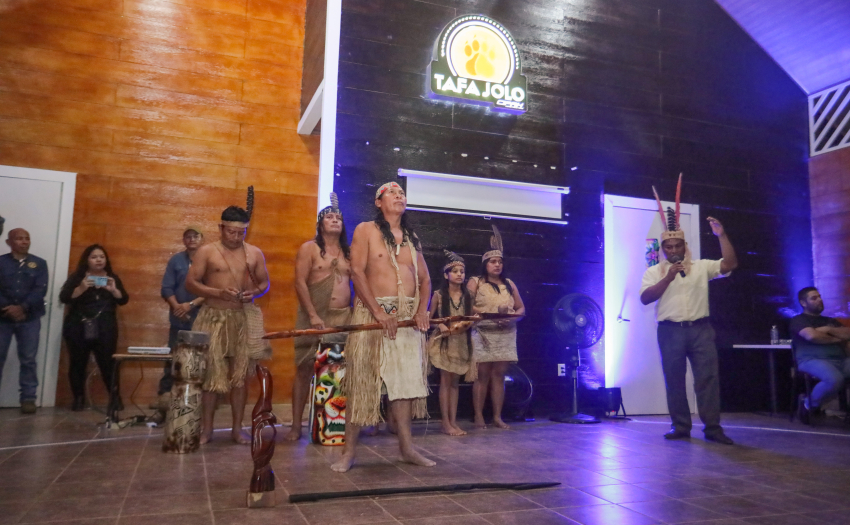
(327, 412)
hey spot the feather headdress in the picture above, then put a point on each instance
(249, 211)
(497, 249)
(333, 208)
(453, 260)
(670, 220)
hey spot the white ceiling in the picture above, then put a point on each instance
(809, 39)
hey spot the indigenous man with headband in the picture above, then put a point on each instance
(322, 277)
(679, 284)
(392, 284)
(230, 274)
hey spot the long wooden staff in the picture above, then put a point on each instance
(377, 326)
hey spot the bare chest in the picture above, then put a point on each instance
(228, 266)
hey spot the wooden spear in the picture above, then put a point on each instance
(377, 326)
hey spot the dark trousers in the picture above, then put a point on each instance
(696, 344)
(167, 380)
(79, 349)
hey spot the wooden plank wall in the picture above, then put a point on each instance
(314, 51)
(622, 95)
(168, 110)
(829, 179)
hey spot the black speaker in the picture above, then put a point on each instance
(612, 399)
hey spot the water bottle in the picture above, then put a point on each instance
(774, 335)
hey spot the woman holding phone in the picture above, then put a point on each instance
(93, 293)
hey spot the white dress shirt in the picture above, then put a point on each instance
(686, 298)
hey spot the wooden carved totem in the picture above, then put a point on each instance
(261, 493)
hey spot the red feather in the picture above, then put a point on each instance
(678, 198)
(660, 209)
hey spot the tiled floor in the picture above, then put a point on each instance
(59, 466)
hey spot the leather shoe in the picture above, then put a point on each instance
(79, 404)
(28, 406)
(677, 434)
(719, 437)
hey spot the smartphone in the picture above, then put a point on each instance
(98, 280)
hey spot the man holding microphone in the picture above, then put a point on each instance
(679, 286)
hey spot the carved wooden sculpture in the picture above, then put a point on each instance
(261, 493)
(183, 420)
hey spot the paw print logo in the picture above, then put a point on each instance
(479, 58)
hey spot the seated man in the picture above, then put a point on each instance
(821, 348)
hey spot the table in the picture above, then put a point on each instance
(119, 360)
(771, 364)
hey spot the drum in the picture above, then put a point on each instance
(183, 418)
(189, 360)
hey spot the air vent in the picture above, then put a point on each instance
(829, 119)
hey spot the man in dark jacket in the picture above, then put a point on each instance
(23, 285)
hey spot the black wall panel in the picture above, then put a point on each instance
(627, 92)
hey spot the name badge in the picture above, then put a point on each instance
(31, 264)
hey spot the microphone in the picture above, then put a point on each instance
(677, 259)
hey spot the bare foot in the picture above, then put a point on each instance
(479, 423)
(206, 437)
(411, 456)
(451, 430)
(240, 437)
(372, 431)
(294, 433)
(460, 431)
(344, 464)
(498, 423)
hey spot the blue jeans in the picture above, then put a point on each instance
(831, 373)
(26, 335)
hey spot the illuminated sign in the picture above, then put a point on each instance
(476, 60)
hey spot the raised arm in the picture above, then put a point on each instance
(730, 259)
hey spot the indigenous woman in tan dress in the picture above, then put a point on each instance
(449, 347)
(493, 342)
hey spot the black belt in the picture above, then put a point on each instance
(703, 320)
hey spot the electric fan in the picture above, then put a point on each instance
(518, 393)
(579, 323)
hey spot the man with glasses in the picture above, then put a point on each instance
(183, 306)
